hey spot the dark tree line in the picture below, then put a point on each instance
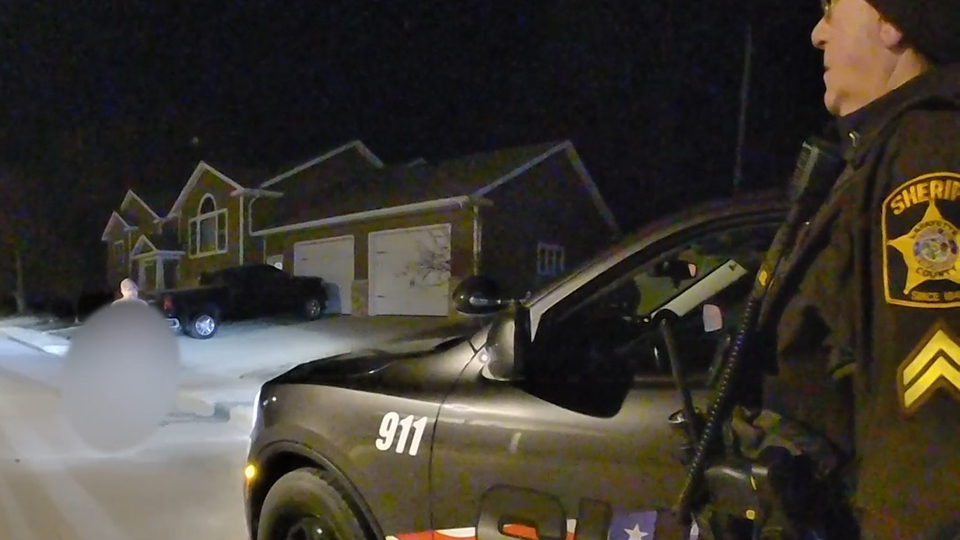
(51, 216)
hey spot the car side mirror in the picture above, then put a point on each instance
(508, 343)
(678, 270)
(479, 295)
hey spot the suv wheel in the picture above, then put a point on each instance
(203, 326)
(306, 505)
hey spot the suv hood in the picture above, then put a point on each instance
(423, 355)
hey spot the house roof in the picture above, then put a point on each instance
(357, 148)
(398, 185)
(245, 176)
(159, 197)
(473, 173)
(115, 219)
(157, 242)
(194, 178)
(132, 198)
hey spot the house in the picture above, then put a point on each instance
(396, 240)
(206, 228)
(130, 229)
(389, 239)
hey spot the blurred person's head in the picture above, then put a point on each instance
(129, 289)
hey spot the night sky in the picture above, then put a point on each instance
(100, 96)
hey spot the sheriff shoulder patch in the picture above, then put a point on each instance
(921, 258)
(933, 365)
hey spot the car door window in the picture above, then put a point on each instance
(610, 334)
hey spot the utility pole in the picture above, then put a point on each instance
(744, 99)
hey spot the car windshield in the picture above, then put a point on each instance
(624, 247)
(705, 267)
(720, 240)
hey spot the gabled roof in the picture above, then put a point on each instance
(394, 186)
(244, 175)
(352, 145)
(194, 178)
(159, 195)
(591, 187)
(157, 242)
(114, 219)
(505, 165)
(133, 197)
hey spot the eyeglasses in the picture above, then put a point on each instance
(826, 6)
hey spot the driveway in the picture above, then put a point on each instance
(258, 350)
(261, 348)
(222, 374)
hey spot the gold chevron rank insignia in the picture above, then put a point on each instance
(934, 365)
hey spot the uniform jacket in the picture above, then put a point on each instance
(863, 314)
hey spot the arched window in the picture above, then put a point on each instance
(208, 230)
(207, 205)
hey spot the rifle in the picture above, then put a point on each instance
(763, 494)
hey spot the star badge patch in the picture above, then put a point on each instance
(921, 256)
(934, 365)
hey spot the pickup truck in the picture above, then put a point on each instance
(236, 293)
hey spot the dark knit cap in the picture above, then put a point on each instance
(932, 27)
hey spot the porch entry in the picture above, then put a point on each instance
(155, 272)
(152, 268)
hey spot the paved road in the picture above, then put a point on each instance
(185, 483)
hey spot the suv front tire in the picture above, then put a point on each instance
(303, 502)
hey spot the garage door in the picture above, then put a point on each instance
(332, 260)
(410, 271)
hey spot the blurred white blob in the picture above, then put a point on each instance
(120, 376)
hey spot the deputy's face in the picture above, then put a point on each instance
(855, 59)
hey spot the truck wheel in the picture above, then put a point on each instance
(203, 325)
(313, 309)
(307, 504)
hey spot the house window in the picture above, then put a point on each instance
(549, 259)
(118, 253)
(208, 231)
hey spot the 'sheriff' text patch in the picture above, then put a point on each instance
(933, 365)
(921, 255)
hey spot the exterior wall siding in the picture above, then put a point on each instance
(129, 268)
(135, 214)
(192, 266)
(461, 245)
(116, 267)
(252, 247)
(264, 212)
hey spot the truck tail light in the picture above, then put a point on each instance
(167, 302)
